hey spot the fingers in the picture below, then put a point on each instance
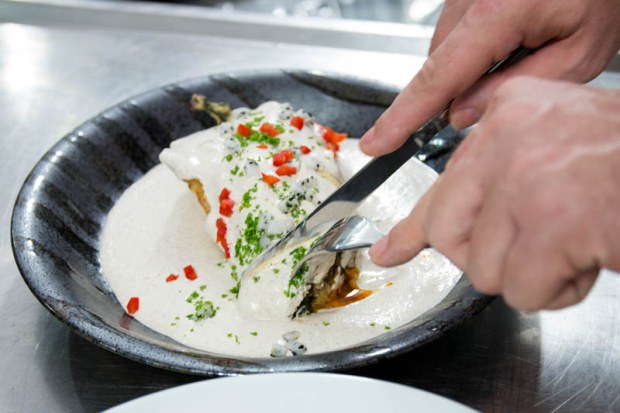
(443, 217)
(407, 238)
(453, 11)
(463, 57)
(492, 237)
(468, 107)
(573, 292)
(541, 271)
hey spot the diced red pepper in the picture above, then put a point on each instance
(282, 157)
(243, 130)
(286, 170)
(190, 272)
(226, 207)
(225, 194)
(298, 122)
(133, 305)
(332, 146)
(270, 179)
(262, 146)
(221, 236)
(330, 136)
(304, 149)
(171, 278)
(269, 129)
(226, 204)
(279, 159)
(288, 155)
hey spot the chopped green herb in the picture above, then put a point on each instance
(256, 278)
(229, 157)
(296, 281)
(235, 290)
(247, 197)
(325, 323)
(202, 309)
(234, 170)
(258, 137)
(234, 275)
(248, 246)
(297, 254)
(254, 333)
(276, 271)
(387, 327)
(373, 324)
(203, 287)
(192, 296)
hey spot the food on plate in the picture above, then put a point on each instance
(256, 176)
(174, 257)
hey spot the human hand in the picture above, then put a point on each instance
(574, 40)
(529, 205)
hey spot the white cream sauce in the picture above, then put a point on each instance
(156, 228)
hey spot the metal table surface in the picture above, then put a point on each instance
(54, 74)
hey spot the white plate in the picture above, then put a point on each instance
(292, 393)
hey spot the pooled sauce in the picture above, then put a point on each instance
(156, 230)
(349, 292)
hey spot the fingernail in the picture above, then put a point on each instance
(463, 118)
(367, 140)
(378, 248)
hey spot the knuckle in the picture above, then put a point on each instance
(426, 77)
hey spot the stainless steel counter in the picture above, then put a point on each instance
(59, 69)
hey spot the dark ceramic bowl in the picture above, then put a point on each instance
(60, 212)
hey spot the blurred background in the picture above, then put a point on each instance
(424, 12)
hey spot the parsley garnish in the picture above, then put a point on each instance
(247, 198)
(202, 308)
(248, 246)
(258, 137)
(297, 254)
(235, 290)
(297, 279)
